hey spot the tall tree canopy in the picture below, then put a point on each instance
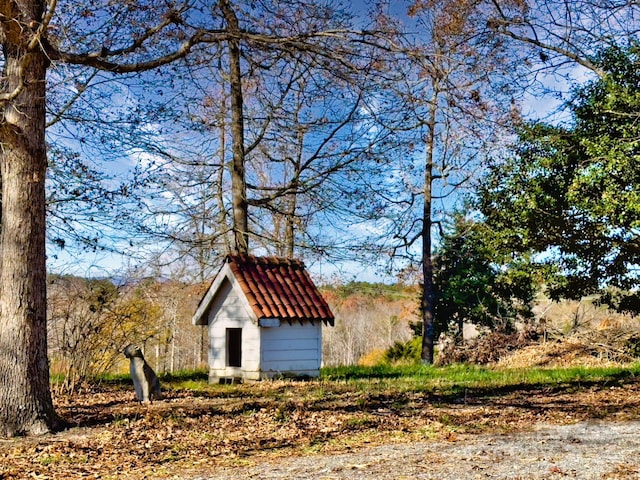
(455, 96)
(123, 38)
(571, 194)
(564, 34)
(293, 133)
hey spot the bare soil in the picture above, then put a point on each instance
(328, 430)
(585, 450)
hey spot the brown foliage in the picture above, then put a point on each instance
(91, 322)
(486, 348)
(187, 435)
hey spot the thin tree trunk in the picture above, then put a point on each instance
(222, 217)
(238, 180)
(428, 296)
(25, 396)
(173, 337)
(292, 207)
(290, 233)
(459, 339)
(173, 355)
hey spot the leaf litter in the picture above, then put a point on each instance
(196, 434)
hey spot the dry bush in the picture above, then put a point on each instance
(568, 317)
(486, 348)
(373, 358)
(614, 341)
(567, 333)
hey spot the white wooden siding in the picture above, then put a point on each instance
(266, 351)
(292, 348)
(227, 311)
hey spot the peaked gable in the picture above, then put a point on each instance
(273, 288)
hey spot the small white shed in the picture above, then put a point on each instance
(265, 318)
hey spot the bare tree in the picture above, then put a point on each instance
(306, 135)
(320, 137)
(456, 96)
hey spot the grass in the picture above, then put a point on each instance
(184, 379)
(458, 378)
(455, 380)
(179, 377)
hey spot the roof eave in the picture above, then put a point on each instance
(201, 315)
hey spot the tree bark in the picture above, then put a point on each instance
(25, 396)
(428, 296)
(292, 200)
(223, 218)
(238, 178)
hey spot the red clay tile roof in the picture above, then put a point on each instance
(279, 288)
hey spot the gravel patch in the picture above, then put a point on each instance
(587, 451)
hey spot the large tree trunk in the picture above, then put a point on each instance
(25, 397)
(238, 179)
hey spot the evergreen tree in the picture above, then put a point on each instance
(477, 284)
(571, 194)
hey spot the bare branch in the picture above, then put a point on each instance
(582, 60)
(96, 60)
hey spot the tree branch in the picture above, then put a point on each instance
(98, 59)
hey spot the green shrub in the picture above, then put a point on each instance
(404, 352)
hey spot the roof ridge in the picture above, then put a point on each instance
(265, 260)
(279, 287)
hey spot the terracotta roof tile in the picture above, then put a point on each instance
(278, 287)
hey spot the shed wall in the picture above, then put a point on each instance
(291, 349)
(227, 311)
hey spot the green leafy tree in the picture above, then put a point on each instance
(571, 194)
(477, 284)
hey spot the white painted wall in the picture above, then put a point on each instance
(227, 311)
(266, 351)
(293, 349)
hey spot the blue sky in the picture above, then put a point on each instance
(103, 263)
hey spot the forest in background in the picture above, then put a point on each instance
(92, 321)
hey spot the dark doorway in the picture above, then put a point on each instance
(234, 347)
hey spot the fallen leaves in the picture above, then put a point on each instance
(189, 432)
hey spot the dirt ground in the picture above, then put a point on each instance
(328, 430)
(585, 450)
